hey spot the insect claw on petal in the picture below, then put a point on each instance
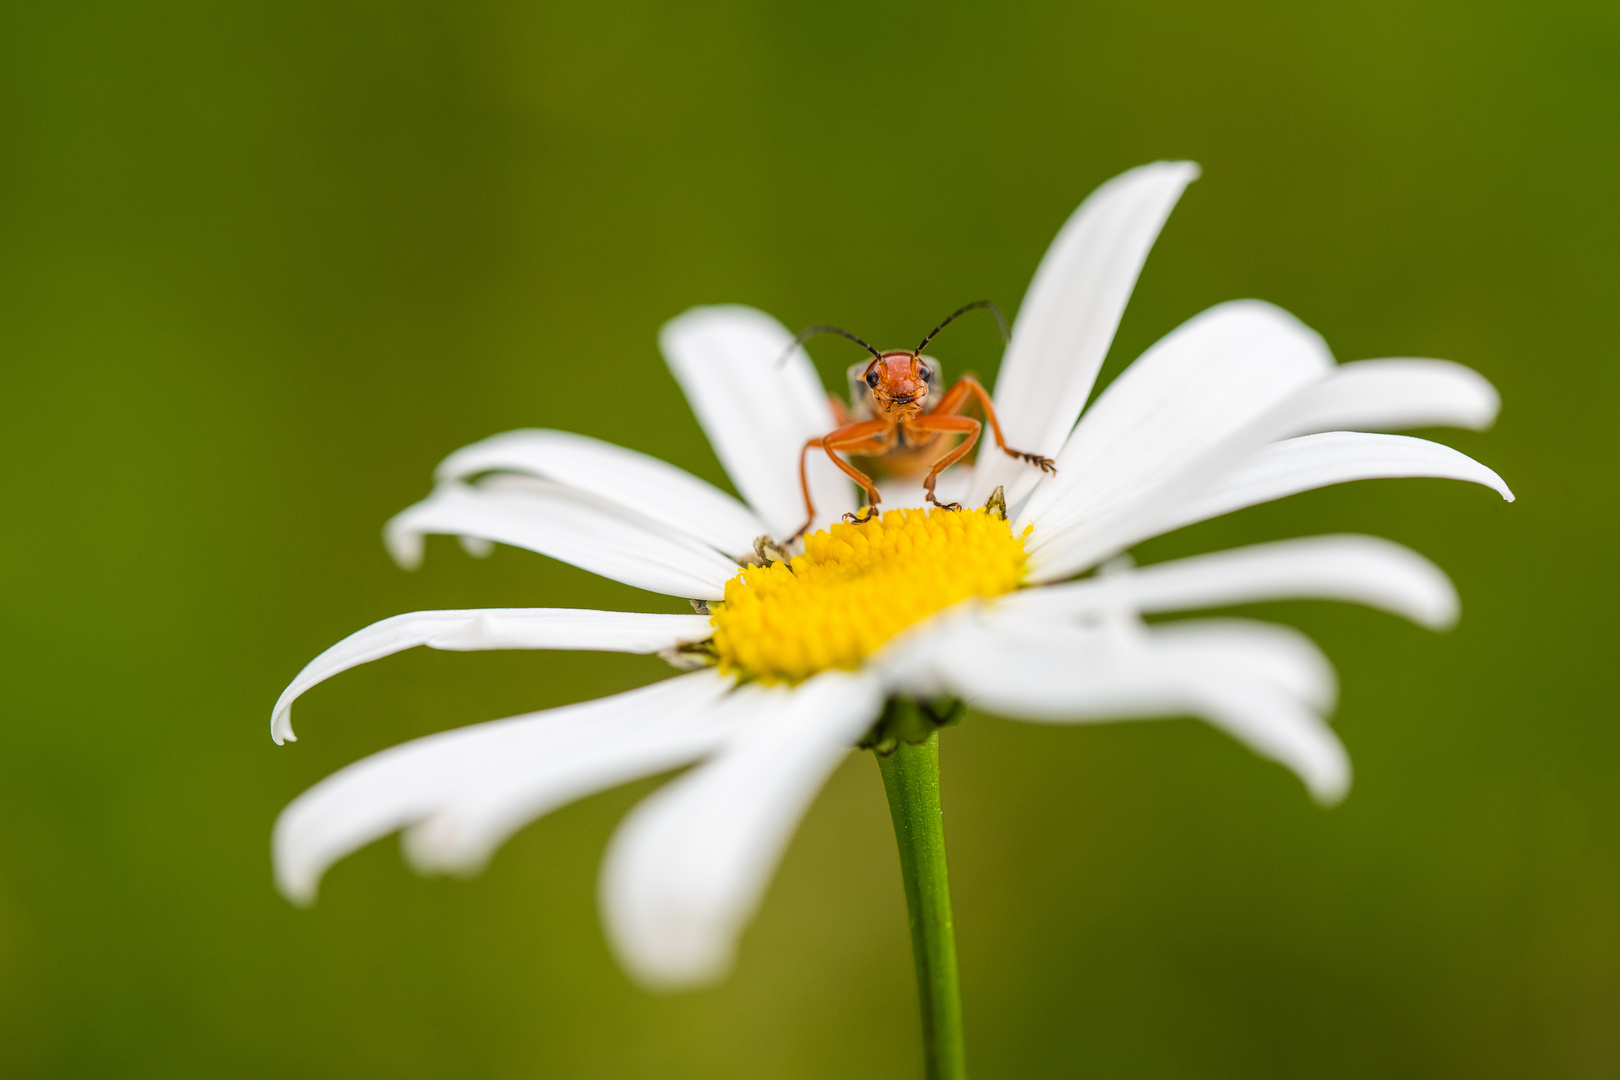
(1045, 464)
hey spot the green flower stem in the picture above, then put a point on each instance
(911, 778)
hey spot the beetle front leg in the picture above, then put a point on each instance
(867, 436)
(934, 423)
(969, 388)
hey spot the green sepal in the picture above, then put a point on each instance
(907, 720)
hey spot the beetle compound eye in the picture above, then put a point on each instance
(925, 373)
(872, 377)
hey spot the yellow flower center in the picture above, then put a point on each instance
(857, 586)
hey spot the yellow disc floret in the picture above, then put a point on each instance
(856, 586)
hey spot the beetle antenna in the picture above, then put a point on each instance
(988, 305)
(816, 331)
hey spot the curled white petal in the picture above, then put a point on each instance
(1274, 472)
(670, 496)
(490, 628)
(1245, 683)
(569, 525)
(1176, 411)
(757, 411)
(1387, 395)
(689, 865)
(1361, 569)
(561, 754)
(1070, 313)
(1335, 457)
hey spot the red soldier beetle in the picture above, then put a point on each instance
(890, 418)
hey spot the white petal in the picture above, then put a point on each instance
(1281, 469)
(690, 864)
(1275, 726)
(1070, 313)
(490, 628)
(1362, 569)
(670, 496)
(568, 752)
(1279, 656)
(1239, 682)
(1337, 457)
(512, 790)
(1202, 394)
(569, 525)
(1387, 395)
(757, 413)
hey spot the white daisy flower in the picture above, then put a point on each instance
(1240, 405)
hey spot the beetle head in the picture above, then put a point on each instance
(899, 382)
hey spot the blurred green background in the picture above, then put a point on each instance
(263, 264)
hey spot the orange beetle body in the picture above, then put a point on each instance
(896, 419)
(910, 454)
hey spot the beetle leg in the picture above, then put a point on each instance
(956, 399)
(867, 436)
(934, 423)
